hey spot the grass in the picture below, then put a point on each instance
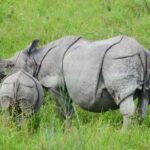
(24, 20)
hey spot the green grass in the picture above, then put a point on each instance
(21, 21)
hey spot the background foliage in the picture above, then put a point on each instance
(21, 21)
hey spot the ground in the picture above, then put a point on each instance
(25, 20)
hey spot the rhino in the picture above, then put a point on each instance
(20, 94)
(96, 75)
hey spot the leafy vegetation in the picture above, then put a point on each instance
(24, 20)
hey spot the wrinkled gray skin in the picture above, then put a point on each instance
(22, 93)
(98, 75)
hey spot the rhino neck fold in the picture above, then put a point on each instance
(38, 65)
(64, 57)
(41, 54)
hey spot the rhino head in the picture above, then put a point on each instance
(21, 60)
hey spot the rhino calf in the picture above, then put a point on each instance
(21, 93)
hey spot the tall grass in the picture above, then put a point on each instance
(24, 20)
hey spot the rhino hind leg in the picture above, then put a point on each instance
(26, 108)
(143, 101)
(127, 110)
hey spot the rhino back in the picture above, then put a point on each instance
(127, 47)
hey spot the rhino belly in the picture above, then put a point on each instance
(102, 103)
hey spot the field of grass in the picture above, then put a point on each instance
(21, 21)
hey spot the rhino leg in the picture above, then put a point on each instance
(143, 101)
(127, 110)
(23, 110)
(26, 107)
(5, 103)
(64, 103)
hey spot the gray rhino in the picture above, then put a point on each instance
(21, 93)
(97, 75)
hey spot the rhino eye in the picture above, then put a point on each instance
(9, 65)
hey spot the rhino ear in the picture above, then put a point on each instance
(32, 47)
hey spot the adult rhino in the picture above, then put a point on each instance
(21, 93)
(97, 75)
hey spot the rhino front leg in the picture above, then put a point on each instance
(127, 110)
(143, 101)
(23, 110)
(63, 102)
